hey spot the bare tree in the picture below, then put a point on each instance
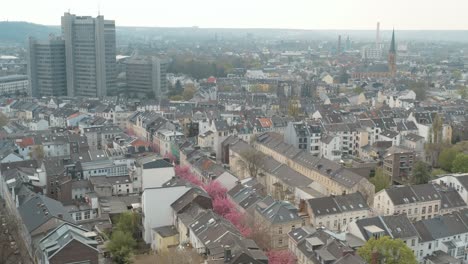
(252, 161)
(260, 232)
(3, 120)
(37, 152)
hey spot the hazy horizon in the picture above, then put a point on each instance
(257, 14)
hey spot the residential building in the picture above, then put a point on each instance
(447, 233)
(418, 202)
(394, 226)
(68, 244)
(277, 218)
(459, 182)
(311, 246)
(336, 179)
(398, 164)
(336, 212)
(304, 136)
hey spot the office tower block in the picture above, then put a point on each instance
(46, 67)
(90, 54)
(146, 76)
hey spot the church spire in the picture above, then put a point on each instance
(392, 44)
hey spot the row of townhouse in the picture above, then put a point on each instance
(418, 202)
(184, 216)
(336, 179)
(431, 240)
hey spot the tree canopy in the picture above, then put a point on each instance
(121, 247)
(380, 180)
(460, 164)
(252, 161)
(421, 173)
(388, 250)
(446, 158)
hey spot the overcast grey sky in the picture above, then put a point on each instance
(301, 14)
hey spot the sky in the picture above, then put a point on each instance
(292, 14)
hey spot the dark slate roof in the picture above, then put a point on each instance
(440, 227)
(389, 133)
(38, 210)
(157, 164)
(412, 194)
(166, 231)
(278, 211)
(188, 198)
(413, 137)
(450, 198)
(395, 226)
(338, 204)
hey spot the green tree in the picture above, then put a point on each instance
(387, 250)
(463, 91)
(188, 93)
(129, 222)
(419, 88)
(460, 164)
(121, 247)
(446, 158)
(380, 180)
(3, 120)
(421, 173)
(358, 90)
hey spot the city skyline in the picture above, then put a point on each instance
(297, 14)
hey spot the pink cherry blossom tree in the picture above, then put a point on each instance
(280, 257)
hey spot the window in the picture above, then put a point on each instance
(415, 210)
(429, 246)
(280, 230)
(423, 211)
(436, 208)
(413, 242)
(429, 209)
(78, 216)
(344, 221)
(409, 211)
(280, 241)
(87, 215)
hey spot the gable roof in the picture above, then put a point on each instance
(39, 209)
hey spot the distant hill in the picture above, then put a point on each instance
(18, 32)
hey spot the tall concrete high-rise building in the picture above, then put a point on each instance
(90, 54)
(146, 76)
(46, 67)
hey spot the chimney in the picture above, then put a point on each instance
(377, 36)
(60, 216)
(227, 254)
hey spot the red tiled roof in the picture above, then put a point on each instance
(265, 122)
(140, 143)
(25, 142)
